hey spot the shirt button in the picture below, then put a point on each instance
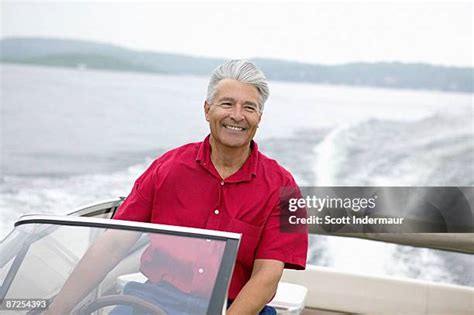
(222, 183)
(216, 211)
(200, 270)
(208, 240)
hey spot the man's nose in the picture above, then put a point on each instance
(237, 113)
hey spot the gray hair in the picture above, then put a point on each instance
(243, 71)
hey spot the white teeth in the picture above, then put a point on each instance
(234, 128)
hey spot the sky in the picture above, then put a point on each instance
(316, 32)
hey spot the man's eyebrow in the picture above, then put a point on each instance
(226, 98)
(251, 103)
(230, 99)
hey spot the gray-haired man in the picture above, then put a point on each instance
(223, 183)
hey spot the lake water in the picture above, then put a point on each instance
(71, 137)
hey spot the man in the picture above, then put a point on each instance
(225, 183)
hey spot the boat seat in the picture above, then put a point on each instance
(289, 299)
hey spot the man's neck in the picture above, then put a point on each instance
(228, 160)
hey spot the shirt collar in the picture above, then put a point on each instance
(245, 173)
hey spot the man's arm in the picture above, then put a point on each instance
(259, 290)
(99, 259)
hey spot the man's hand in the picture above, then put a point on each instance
(260, 289)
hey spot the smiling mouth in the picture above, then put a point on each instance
(235, 128)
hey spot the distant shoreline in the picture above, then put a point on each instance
(91, 55)
(71, 68)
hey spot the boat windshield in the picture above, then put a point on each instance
(114, 267)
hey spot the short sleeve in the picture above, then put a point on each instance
(279, 241)
(139, 203)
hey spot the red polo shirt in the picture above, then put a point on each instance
(183, 188)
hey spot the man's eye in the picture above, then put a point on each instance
(226, 104)
(250, 108)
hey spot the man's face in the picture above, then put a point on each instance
(234, 113)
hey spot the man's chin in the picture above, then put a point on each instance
(235, 143)
(232, 141)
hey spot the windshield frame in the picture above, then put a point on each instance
(218, 299)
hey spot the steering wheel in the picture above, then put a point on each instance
(120, 299)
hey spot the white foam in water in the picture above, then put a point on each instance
(52, 195)
(387, 153)
(330, 155)
(381, 259)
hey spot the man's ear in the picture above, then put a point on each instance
(206, 110)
